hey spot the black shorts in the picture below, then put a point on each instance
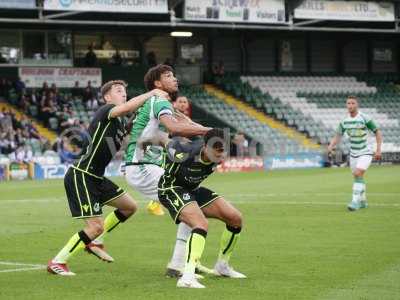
(87, 194)
(176, 198)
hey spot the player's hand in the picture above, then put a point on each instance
(160, 93)
(378, 155)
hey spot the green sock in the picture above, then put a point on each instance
(76, 243)
(229, 238)
(112, 220)
(194, 249)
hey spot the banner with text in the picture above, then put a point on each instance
(261, 11)
(62, 77)
(123, 6)
(345, 10)
(20, 4)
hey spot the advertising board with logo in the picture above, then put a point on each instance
(294, 161)
(122, 6)
(261, 11)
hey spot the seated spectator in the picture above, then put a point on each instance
(23, 154)
(48, 110)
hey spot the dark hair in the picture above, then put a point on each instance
(108, 86)
(154, 74)
(215, 138)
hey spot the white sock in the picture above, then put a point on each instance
(364, 193)
(357, 191)
(178, 257)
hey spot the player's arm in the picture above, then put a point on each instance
(336, 139)
(182, 128)
(378, 136)
(133, 104)
(183, 118)
(370, 124)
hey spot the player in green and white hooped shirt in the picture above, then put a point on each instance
(144, 168)
(357, 126)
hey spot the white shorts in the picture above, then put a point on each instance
(362, 162)
(144, 179)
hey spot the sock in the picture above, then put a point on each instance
(76, 243)
(112, 220)
(229, 238)
(194, 250)
(364, 193)
(358, 187)
(178, 257)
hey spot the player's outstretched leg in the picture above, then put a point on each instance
(126, 207)
(193, 216)
(58, 265)
(224, 211)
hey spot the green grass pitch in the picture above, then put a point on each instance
(299, 242)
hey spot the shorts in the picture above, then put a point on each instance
(144, 179)
(176, 198)
(87, 194)
(361, 162)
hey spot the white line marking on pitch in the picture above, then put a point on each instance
(26, 267)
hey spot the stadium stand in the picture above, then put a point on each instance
(315, 104)
(246, 120)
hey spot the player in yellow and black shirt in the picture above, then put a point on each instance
(86, 187)
(187, 166)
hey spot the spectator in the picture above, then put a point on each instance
(182, 105)
(76, 91)
(90, 58)
(19, 86)
(219, 70)
(45, 89)
(23, 154)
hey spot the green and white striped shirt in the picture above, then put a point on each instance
(147, 125)
(357, 129)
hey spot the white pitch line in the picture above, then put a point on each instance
(22, 269)
(26, 267)
(10, 263)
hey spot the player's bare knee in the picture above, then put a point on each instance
(96, 227)
(202, 224)
(235, 219)
(358, 173)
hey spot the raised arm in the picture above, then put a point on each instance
(133, 104)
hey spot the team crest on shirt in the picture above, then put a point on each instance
(186, 196)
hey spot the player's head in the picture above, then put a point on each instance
(352, 104)
(114, 91)
(181, 104)
(161, 77)
(214, 145)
